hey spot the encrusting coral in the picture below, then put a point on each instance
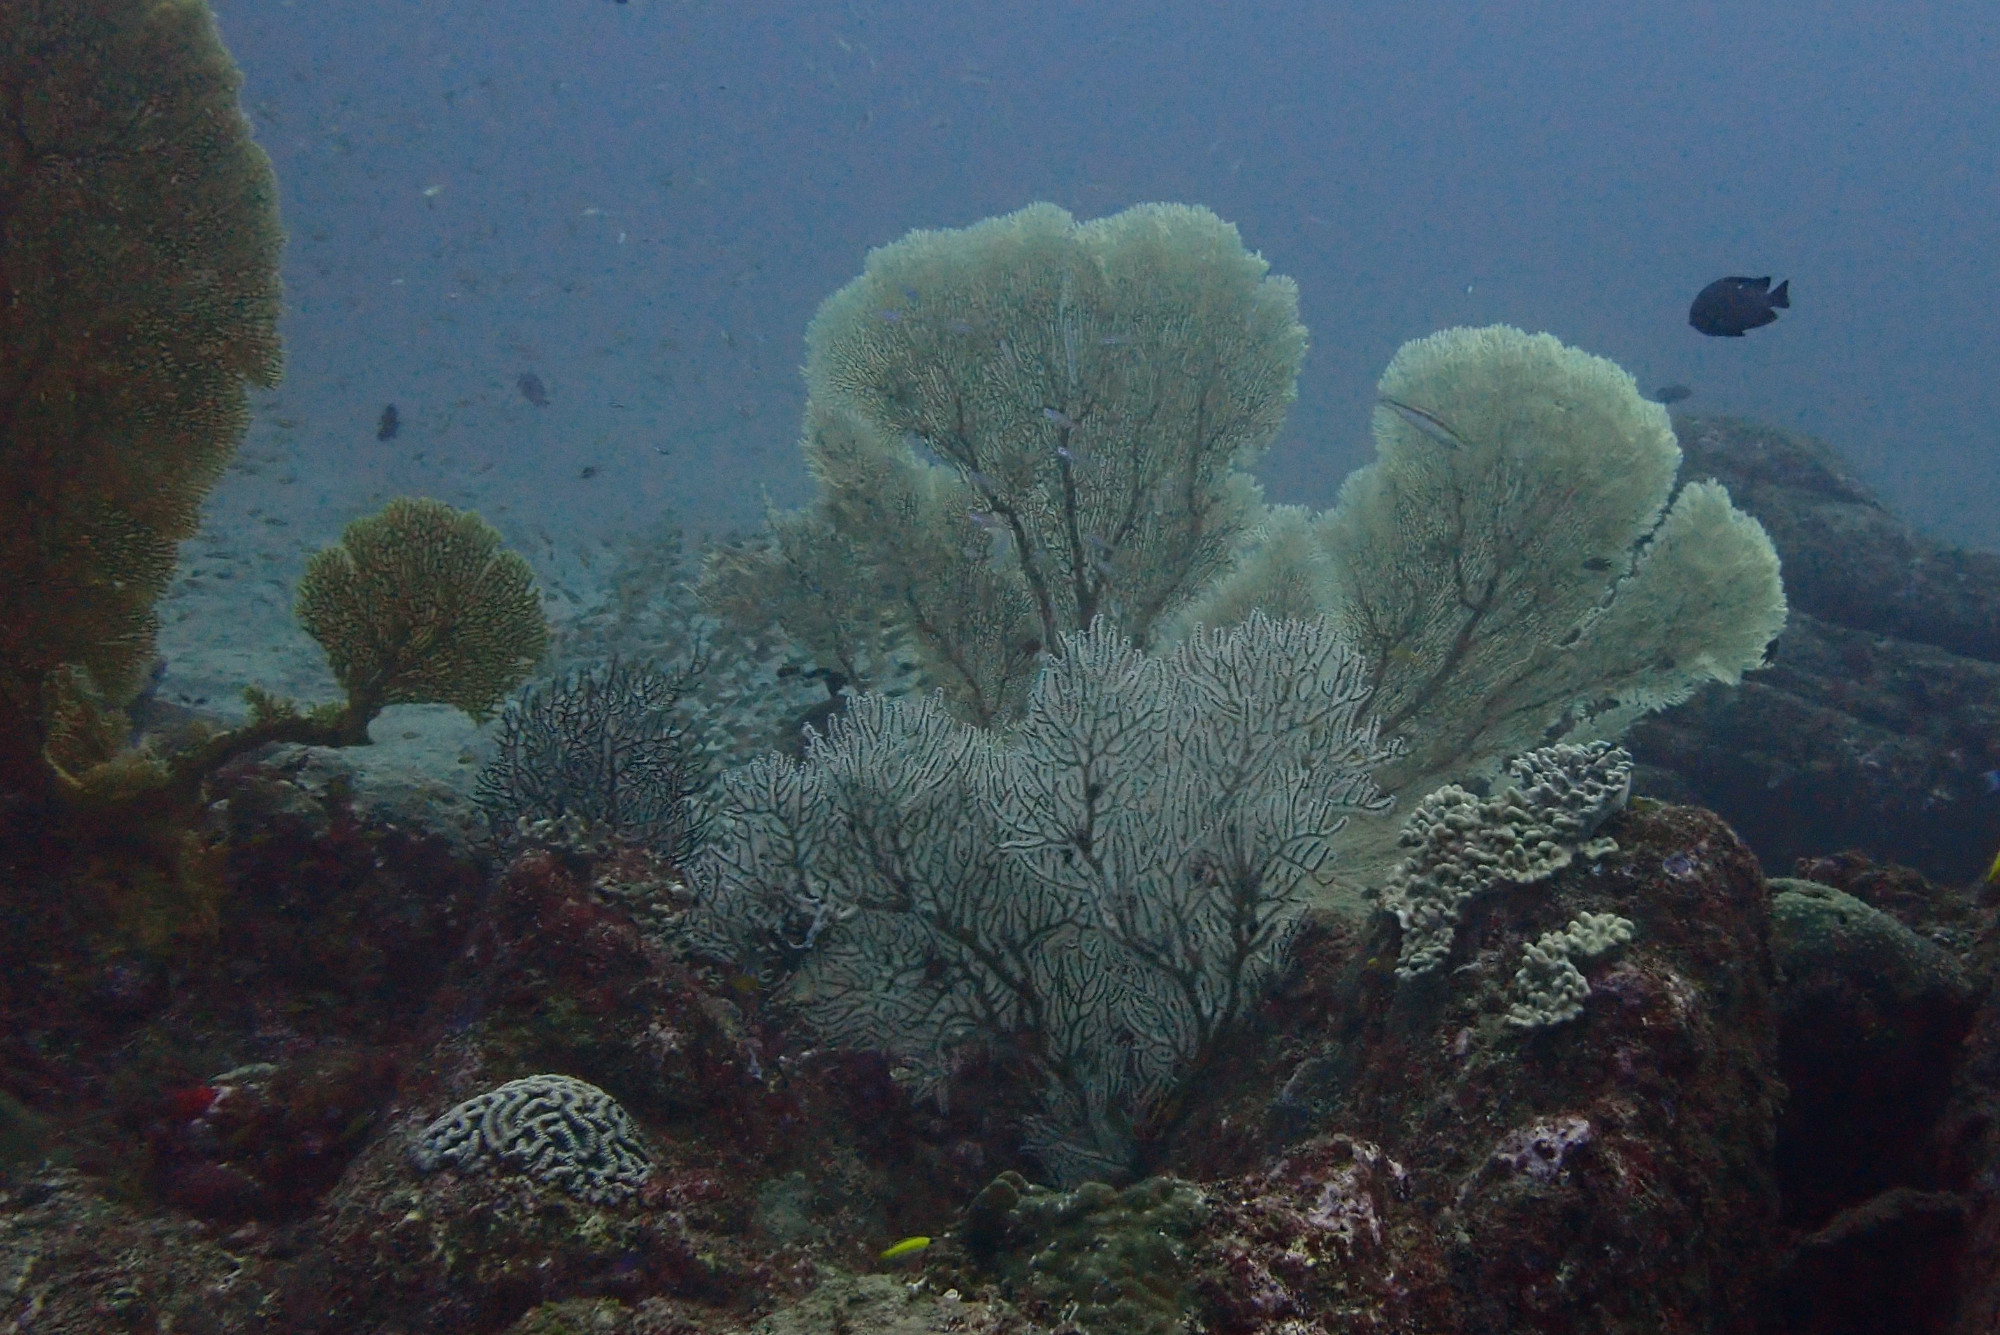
(1462, 845)
(1016, 428)
(1549, 988)
(139, 295)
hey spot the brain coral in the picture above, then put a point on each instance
(554, 1128)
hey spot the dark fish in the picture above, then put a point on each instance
(587, 472)
(1671, 393)
(388, 424)
(532, 389)
(141, 704)
(1728, 306)
(1430, 424)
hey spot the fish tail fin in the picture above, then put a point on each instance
(1781, 295)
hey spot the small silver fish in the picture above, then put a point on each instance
(1428, 423)
(1060, 418)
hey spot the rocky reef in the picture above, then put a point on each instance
(1875, 725)
(241, 1137)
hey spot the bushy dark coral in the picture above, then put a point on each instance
(604, 746)
(139, 248)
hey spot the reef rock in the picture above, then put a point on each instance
(1607, 1170)
(1429, 1165)
(1878, 722)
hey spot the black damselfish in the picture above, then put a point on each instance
(1728, 306)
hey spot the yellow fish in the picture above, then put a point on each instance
(907, 1247)
(1993, 872)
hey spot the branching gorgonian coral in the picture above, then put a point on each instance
(1516, 565)
(1107, 889)
(1018, 428)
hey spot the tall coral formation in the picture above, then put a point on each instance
(418, 604)
(139, 295)
(1015, 428)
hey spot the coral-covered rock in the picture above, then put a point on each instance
(1095, 1256)
(1450, 1171)
(236, 1072)
(1870, 1018)
(265, 1140)
(1611, 1171)
(451, 1251)
(766, 1160)
(1307, 1240)
(1371, 1149)
(75, 1259)
(843, 1305)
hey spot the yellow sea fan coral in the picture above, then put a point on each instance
(421, 604)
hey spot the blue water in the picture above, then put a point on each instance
(643, 203)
